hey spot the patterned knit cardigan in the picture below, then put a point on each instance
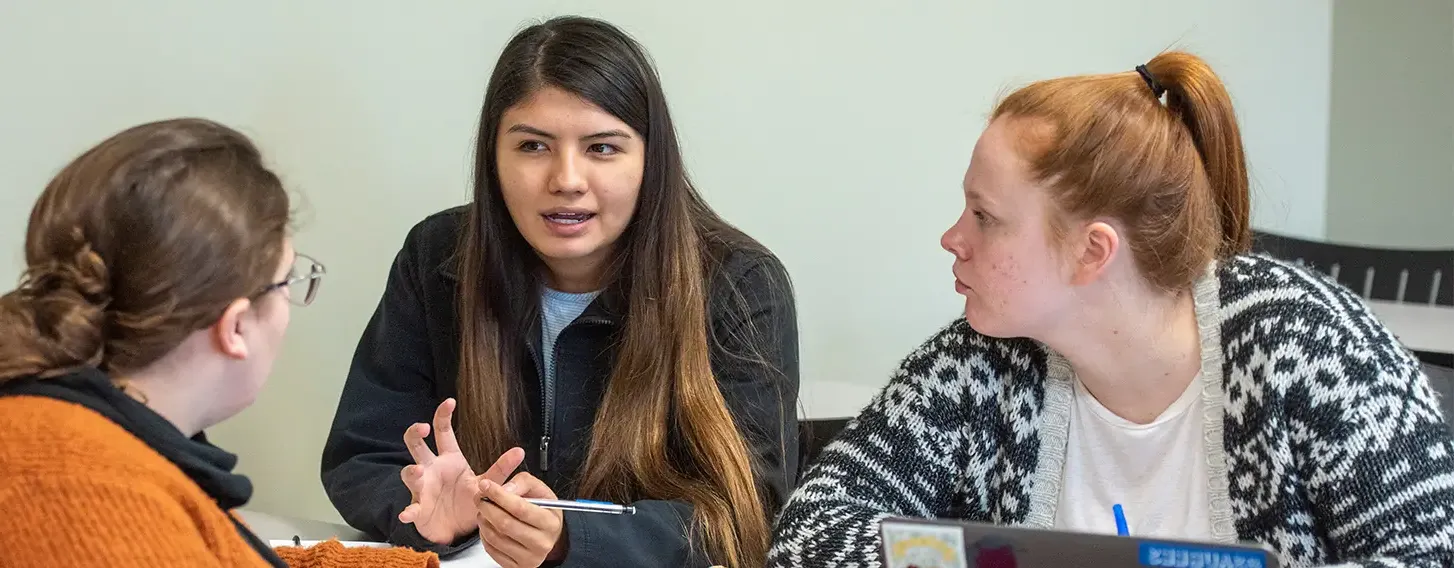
(1324, 439)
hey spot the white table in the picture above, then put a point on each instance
(277, 527)
(1418, 326)
(282, 530)
(836, 399)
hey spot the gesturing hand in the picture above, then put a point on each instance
(443, 488)
(516, 533)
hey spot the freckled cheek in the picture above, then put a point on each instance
(1006, 270)
(1009, 281)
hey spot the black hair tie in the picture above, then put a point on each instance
(1156, 88)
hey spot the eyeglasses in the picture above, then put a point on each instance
(314, 278)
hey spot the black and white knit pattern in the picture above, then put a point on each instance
(1324, 440)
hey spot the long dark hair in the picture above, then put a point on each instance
(662, 378)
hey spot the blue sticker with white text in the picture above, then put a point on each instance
(1171, 555)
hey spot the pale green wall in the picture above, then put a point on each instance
(1391, 137)
(836, 132)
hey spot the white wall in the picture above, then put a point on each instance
(1391, 140)
(836, 132)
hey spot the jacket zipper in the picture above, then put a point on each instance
(547, 407)
(547, 400)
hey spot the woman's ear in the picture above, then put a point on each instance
(1092, 255)
(227, 332)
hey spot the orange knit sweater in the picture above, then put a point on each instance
(78, 490)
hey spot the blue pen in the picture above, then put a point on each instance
(1121, 528)
(582, 506)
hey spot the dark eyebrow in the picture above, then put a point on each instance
(527, 129)
(607, 134)
(531, 130)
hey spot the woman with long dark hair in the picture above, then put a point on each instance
(591, 320)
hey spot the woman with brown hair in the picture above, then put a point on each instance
(159, 274)
(590, 307)
(1121, 351)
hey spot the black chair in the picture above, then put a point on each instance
(1435, 358)
(1443, 380)
(813, 435)
(1395, 275)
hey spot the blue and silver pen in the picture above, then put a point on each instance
(1121, 528)
(582, 506)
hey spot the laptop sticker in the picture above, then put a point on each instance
(923, 546)
(1173, 555)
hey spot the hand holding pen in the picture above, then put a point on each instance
(515, 531)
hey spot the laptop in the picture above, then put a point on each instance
(952, 543)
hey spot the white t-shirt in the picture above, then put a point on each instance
(1157, 472)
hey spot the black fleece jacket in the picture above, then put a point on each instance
(405, 365)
